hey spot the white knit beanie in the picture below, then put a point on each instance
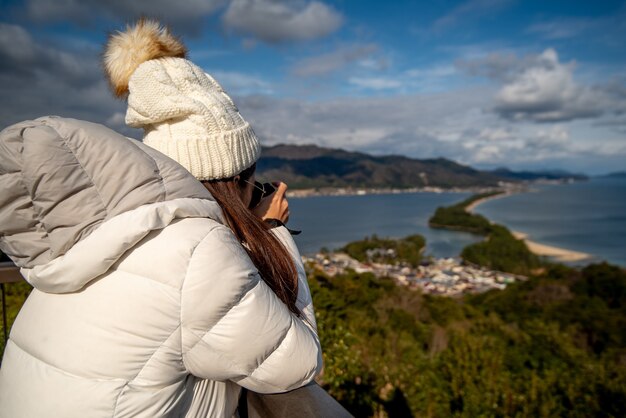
(184, 112)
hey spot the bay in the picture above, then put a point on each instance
(585, 216)
(333, 221)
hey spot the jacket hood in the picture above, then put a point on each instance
(77, 195)
(95, 254)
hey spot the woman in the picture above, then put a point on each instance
(155, 294)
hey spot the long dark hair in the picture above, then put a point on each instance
(270, 257)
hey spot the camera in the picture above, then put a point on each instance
(260, 191)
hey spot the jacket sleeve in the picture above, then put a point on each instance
(233, 326)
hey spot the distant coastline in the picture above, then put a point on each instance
(349, 191)
(470, 208)
(505, 188)
(544, 250)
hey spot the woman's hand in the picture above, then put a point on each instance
(274, 206)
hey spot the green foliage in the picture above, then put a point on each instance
(502, 251)
(457, 218)
(590, 301)
(15, 294)
(408, 249)
(551, 346)
(499, 251)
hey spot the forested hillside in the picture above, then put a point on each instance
(315, 167)
(552, 346)
(310, 166)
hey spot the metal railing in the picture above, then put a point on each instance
(9, 273)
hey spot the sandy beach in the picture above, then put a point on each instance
(556, 253)
(474, 204)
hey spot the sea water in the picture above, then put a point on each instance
(587, 216)
(333, 221)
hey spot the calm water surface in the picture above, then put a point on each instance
(587, 216)
(333, 221)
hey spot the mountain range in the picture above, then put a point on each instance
(538, 175)
(310, 166)
(615, 175)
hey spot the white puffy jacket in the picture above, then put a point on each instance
(145, 304)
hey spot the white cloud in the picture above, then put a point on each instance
(540, 88)
(186, 15)
(378, 64)
(21, 56)
(497, 146)
(439, 77)
(276, 21)
(43, 80)
(16, 45)
(117, 121)
(547, 92)
(236, 83)
(561, 28)
(496, 134)
(488, 154)
(272, 21)
(449, 124)
(439, 71)
(556, 135)
(421, 126)
(375, 83)
(470, 10)
(336, 60)
(606, 29)
(499, 66)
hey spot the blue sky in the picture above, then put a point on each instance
(488, 83)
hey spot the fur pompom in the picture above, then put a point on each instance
(125, 51)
